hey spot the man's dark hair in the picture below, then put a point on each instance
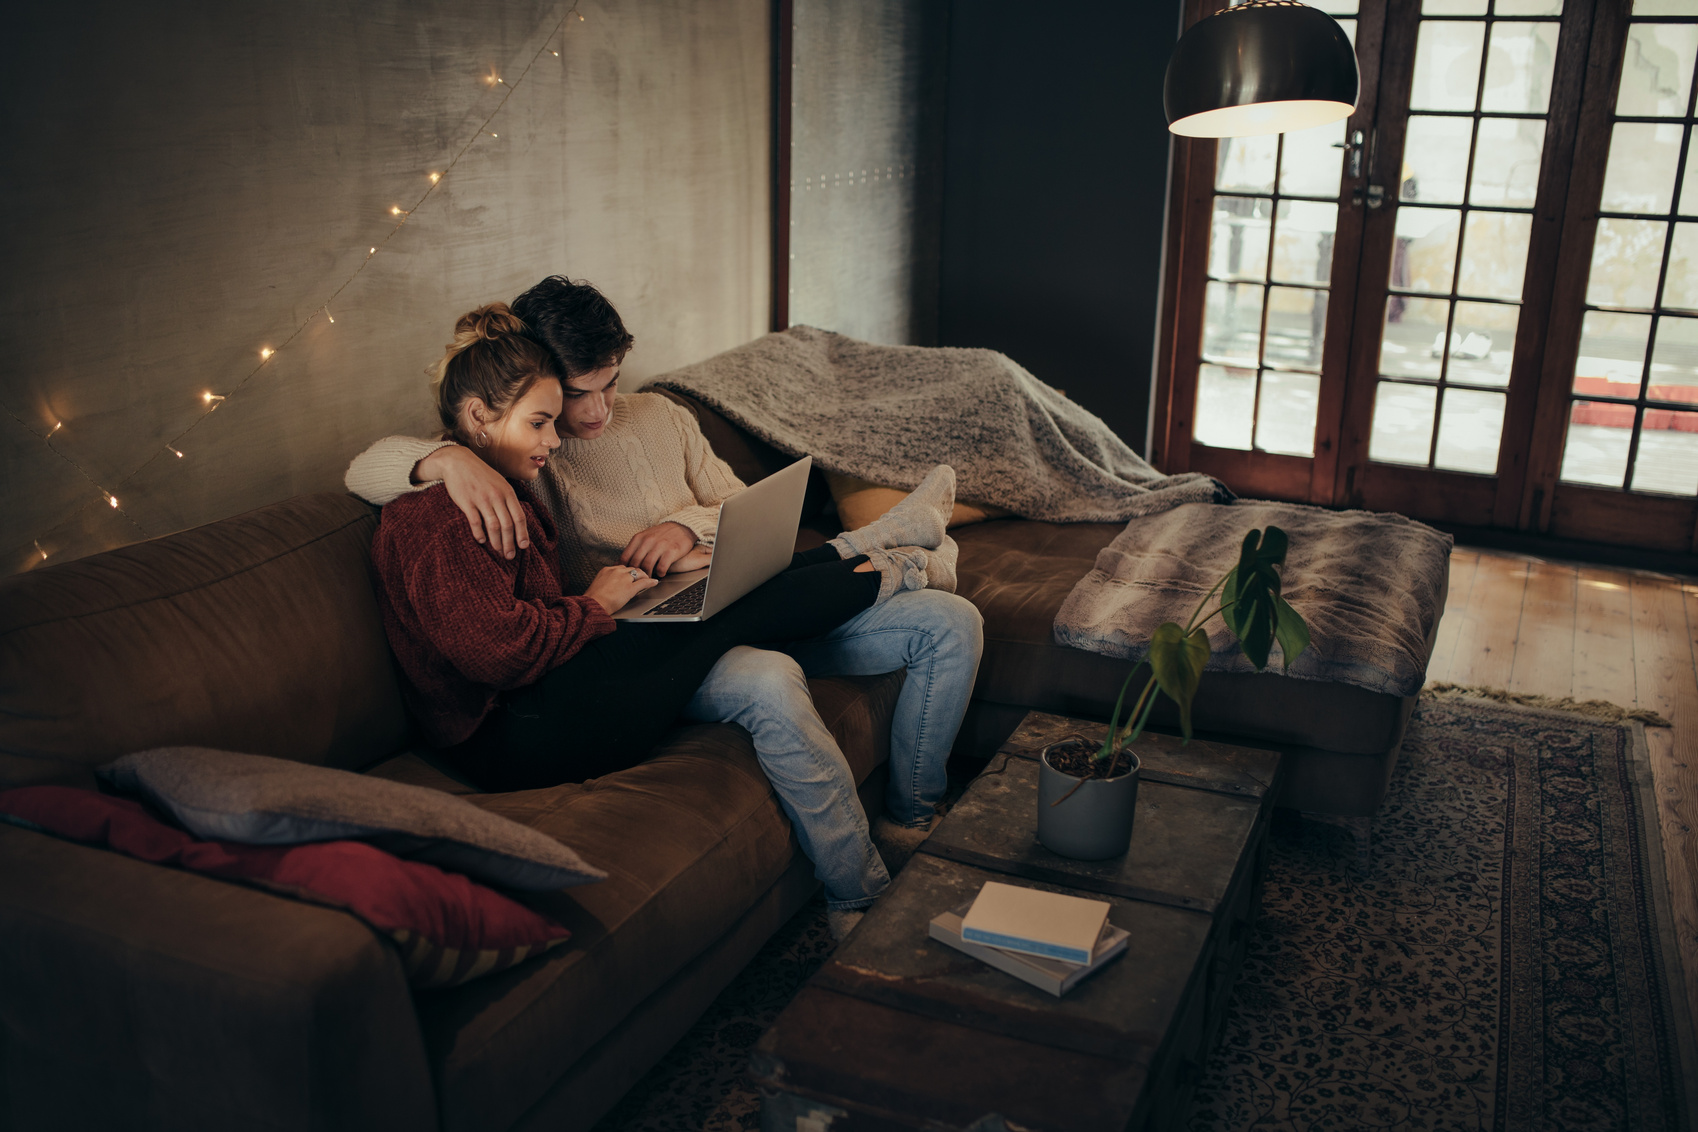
(576, 322)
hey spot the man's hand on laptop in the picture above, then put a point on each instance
(490, 504)
(615, 586)
(660, 548)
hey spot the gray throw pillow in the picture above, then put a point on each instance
(265, 801)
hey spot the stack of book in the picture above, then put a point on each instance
(1050, 940)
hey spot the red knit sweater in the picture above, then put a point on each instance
(466, 623)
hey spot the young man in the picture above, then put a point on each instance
(635, 482)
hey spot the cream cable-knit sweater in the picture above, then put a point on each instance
(652, 466)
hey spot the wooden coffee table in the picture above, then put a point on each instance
(900, 1031)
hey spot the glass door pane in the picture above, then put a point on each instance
(1473, 143)
(1271, 243)
(1631, 423)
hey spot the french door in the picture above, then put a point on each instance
(1451, 304)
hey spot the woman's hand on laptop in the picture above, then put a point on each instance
(615, 586)
(490, 504)
(659, 548)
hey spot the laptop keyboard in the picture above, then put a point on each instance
(684, 602)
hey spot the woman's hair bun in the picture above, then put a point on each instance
(485, 323)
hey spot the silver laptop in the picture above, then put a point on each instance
(757, 535)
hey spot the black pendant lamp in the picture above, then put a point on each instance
(1263, 67)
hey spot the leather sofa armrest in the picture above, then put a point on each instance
(138, 996)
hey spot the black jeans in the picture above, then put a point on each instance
(607, 707)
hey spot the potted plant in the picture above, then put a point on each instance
(1100, 788)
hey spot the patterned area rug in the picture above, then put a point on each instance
(1505, 964)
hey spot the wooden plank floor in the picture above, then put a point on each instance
(1627, 636)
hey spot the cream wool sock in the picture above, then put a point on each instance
(920, 520)
(915, 568)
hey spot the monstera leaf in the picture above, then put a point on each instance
(1177, 659)
(1251, 604)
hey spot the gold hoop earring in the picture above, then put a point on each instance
(482, 439)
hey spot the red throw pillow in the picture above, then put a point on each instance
(449, 929)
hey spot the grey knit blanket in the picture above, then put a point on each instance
(888, 414)
(1371, 587)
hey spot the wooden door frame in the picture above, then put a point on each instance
(783, 107)
(1547, 505)
(1459, 497)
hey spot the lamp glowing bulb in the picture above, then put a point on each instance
(557, 54)
(177, 452)
(111, 499)
(328, 315)
(435, 177)
(395, 210)
(40, 551)
(211, 398)
(371, 251)
(494, 135)
(57, 425)
(265, 353)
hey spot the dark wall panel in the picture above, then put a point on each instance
(866, 162)
(1054, 191)
(185, 182)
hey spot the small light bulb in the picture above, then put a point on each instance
(112, 499)
(580, 19)
(494, 135)
(211, 398)
(265, 353)
(175, 451)
(395, 210)
(40, 551)
(435, 177)
(328, 315)
(557, 54)
(57, 425)
(372, 251)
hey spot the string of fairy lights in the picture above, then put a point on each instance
(211, 401)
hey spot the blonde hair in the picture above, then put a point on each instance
(492, 358)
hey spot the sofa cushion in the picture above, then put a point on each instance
(1018, 572)
(448, 930)
(264, 801)
(690, 839)
(257, 633)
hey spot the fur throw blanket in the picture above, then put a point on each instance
(887, 414)
(1371, 586)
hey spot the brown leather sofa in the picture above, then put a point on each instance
(137, 996)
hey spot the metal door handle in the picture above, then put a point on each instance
(1353, 150)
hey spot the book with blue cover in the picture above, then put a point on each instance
(1051, 975)
(1049, 925)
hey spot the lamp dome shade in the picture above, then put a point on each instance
(1264, 67)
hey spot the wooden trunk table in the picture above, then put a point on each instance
(899, 1031)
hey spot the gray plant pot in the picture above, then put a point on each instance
(1096, 822)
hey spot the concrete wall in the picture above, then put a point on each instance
(867, 166)
(186, 182)
(1054, 193)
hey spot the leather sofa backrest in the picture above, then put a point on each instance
(259, 633)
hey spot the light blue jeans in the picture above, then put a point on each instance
(937, 638)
